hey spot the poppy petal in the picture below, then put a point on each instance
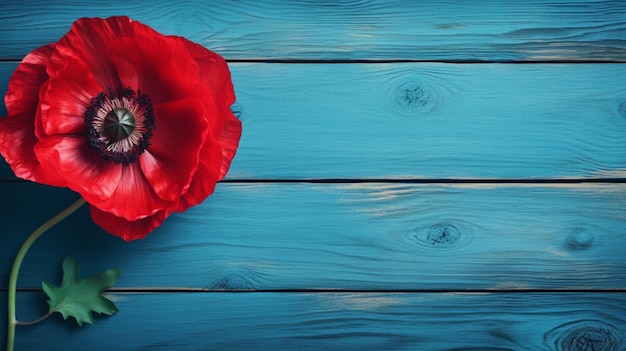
(125, 229)
(17, 129)
(216, 77)
(172, 158)
(208, 173)
(214, 71)
(85, 172)
(214, 164)
(17, 141)
(229, 139)
(67, 98)
(133, 197)
(90, 41)
(160, 67)
(22, 96)
(226, 128)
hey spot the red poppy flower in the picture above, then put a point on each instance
(136, 122)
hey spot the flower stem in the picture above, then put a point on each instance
(17, 263)
(40, 319)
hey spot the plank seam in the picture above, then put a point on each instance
(408, 181)
(432, 180)
(341, 291)
(388, 61)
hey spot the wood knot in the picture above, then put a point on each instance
(416, 92)
(235, 278)
(232, 282)
(589, 338)
(412, 95)
(440, 236)
(580, 240)
(585, 336)
(621, 109)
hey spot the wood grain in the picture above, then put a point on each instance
(331, 321)
(532, 30)
(335, 236)
(373, 92)
(420, 120)
(431, 121)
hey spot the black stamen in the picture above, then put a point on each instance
(110, 121)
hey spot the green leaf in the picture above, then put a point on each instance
(79, 298)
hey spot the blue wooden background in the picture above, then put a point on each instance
(432, 175)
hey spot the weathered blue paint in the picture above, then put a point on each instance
(304, 236)
(456, 30)
(344, 320)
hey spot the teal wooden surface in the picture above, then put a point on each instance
(513, 239)
(325, 236)
(451, 30)
(344, 321)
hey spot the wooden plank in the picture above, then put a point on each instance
(343, 236)
(333, 321)
(431, 121)
(428, 121)
(351, 30)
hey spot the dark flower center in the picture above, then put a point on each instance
(119, 125)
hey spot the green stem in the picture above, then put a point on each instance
(17, 263)
(38, 320)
